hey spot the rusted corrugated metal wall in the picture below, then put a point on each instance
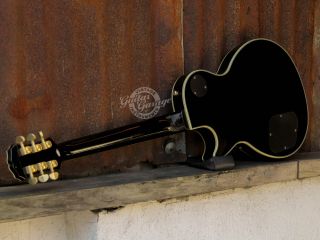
(65, 64)
(212, 28)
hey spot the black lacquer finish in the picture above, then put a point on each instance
(110, 139)
(259, 82)
(254, 103)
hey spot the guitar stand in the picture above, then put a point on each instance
(214, 163)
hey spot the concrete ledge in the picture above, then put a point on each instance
(309, 165)
(114, 190)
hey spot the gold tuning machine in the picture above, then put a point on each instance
(41, 171)
(53, 175)
(43, 177)
(28, 169)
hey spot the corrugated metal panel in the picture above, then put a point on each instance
(212, 28)
(315, 83)
(65, 65)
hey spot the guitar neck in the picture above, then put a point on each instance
(114, 138)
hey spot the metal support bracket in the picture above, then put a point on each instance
(214, 163)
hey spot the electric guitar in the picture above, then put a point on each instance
(255, 103)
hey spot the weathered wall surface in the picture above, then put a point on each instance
(287, 210)
(65, 64)
(212, 28)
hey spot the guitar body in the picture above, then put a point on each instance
(255, 103)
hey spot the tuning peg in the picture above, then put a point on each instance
(43, 142)
(43, 177)
(32, 180)
(52, 175)
(20, 140)
(31, 138)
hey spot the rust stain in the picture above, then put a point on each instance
(22, 106)
(65, 64)
(315, 81)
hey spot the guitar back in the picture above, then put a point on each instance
(256, 101)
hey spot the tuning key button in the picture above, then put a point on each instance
(31, 138)
(28, 169)
(20, 140)
(32, 180)
(42, 177)
(43, 142)
(54, 176)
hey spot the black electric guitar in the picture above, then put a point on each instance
(255, 103)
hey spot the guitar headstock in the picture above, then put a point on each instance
(34, 161)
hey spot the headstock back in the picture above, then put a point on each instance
(33, 161)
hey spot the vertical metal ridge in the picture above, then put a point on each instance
(303, 55)
(315, 80)
(249, 19)
(181, 33)
(213, 39)
(70, 49)
(232, 32)
(290, 23)
(71, 61)
(192, 34)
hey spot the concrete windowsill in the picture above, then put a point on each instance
(114, 190)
